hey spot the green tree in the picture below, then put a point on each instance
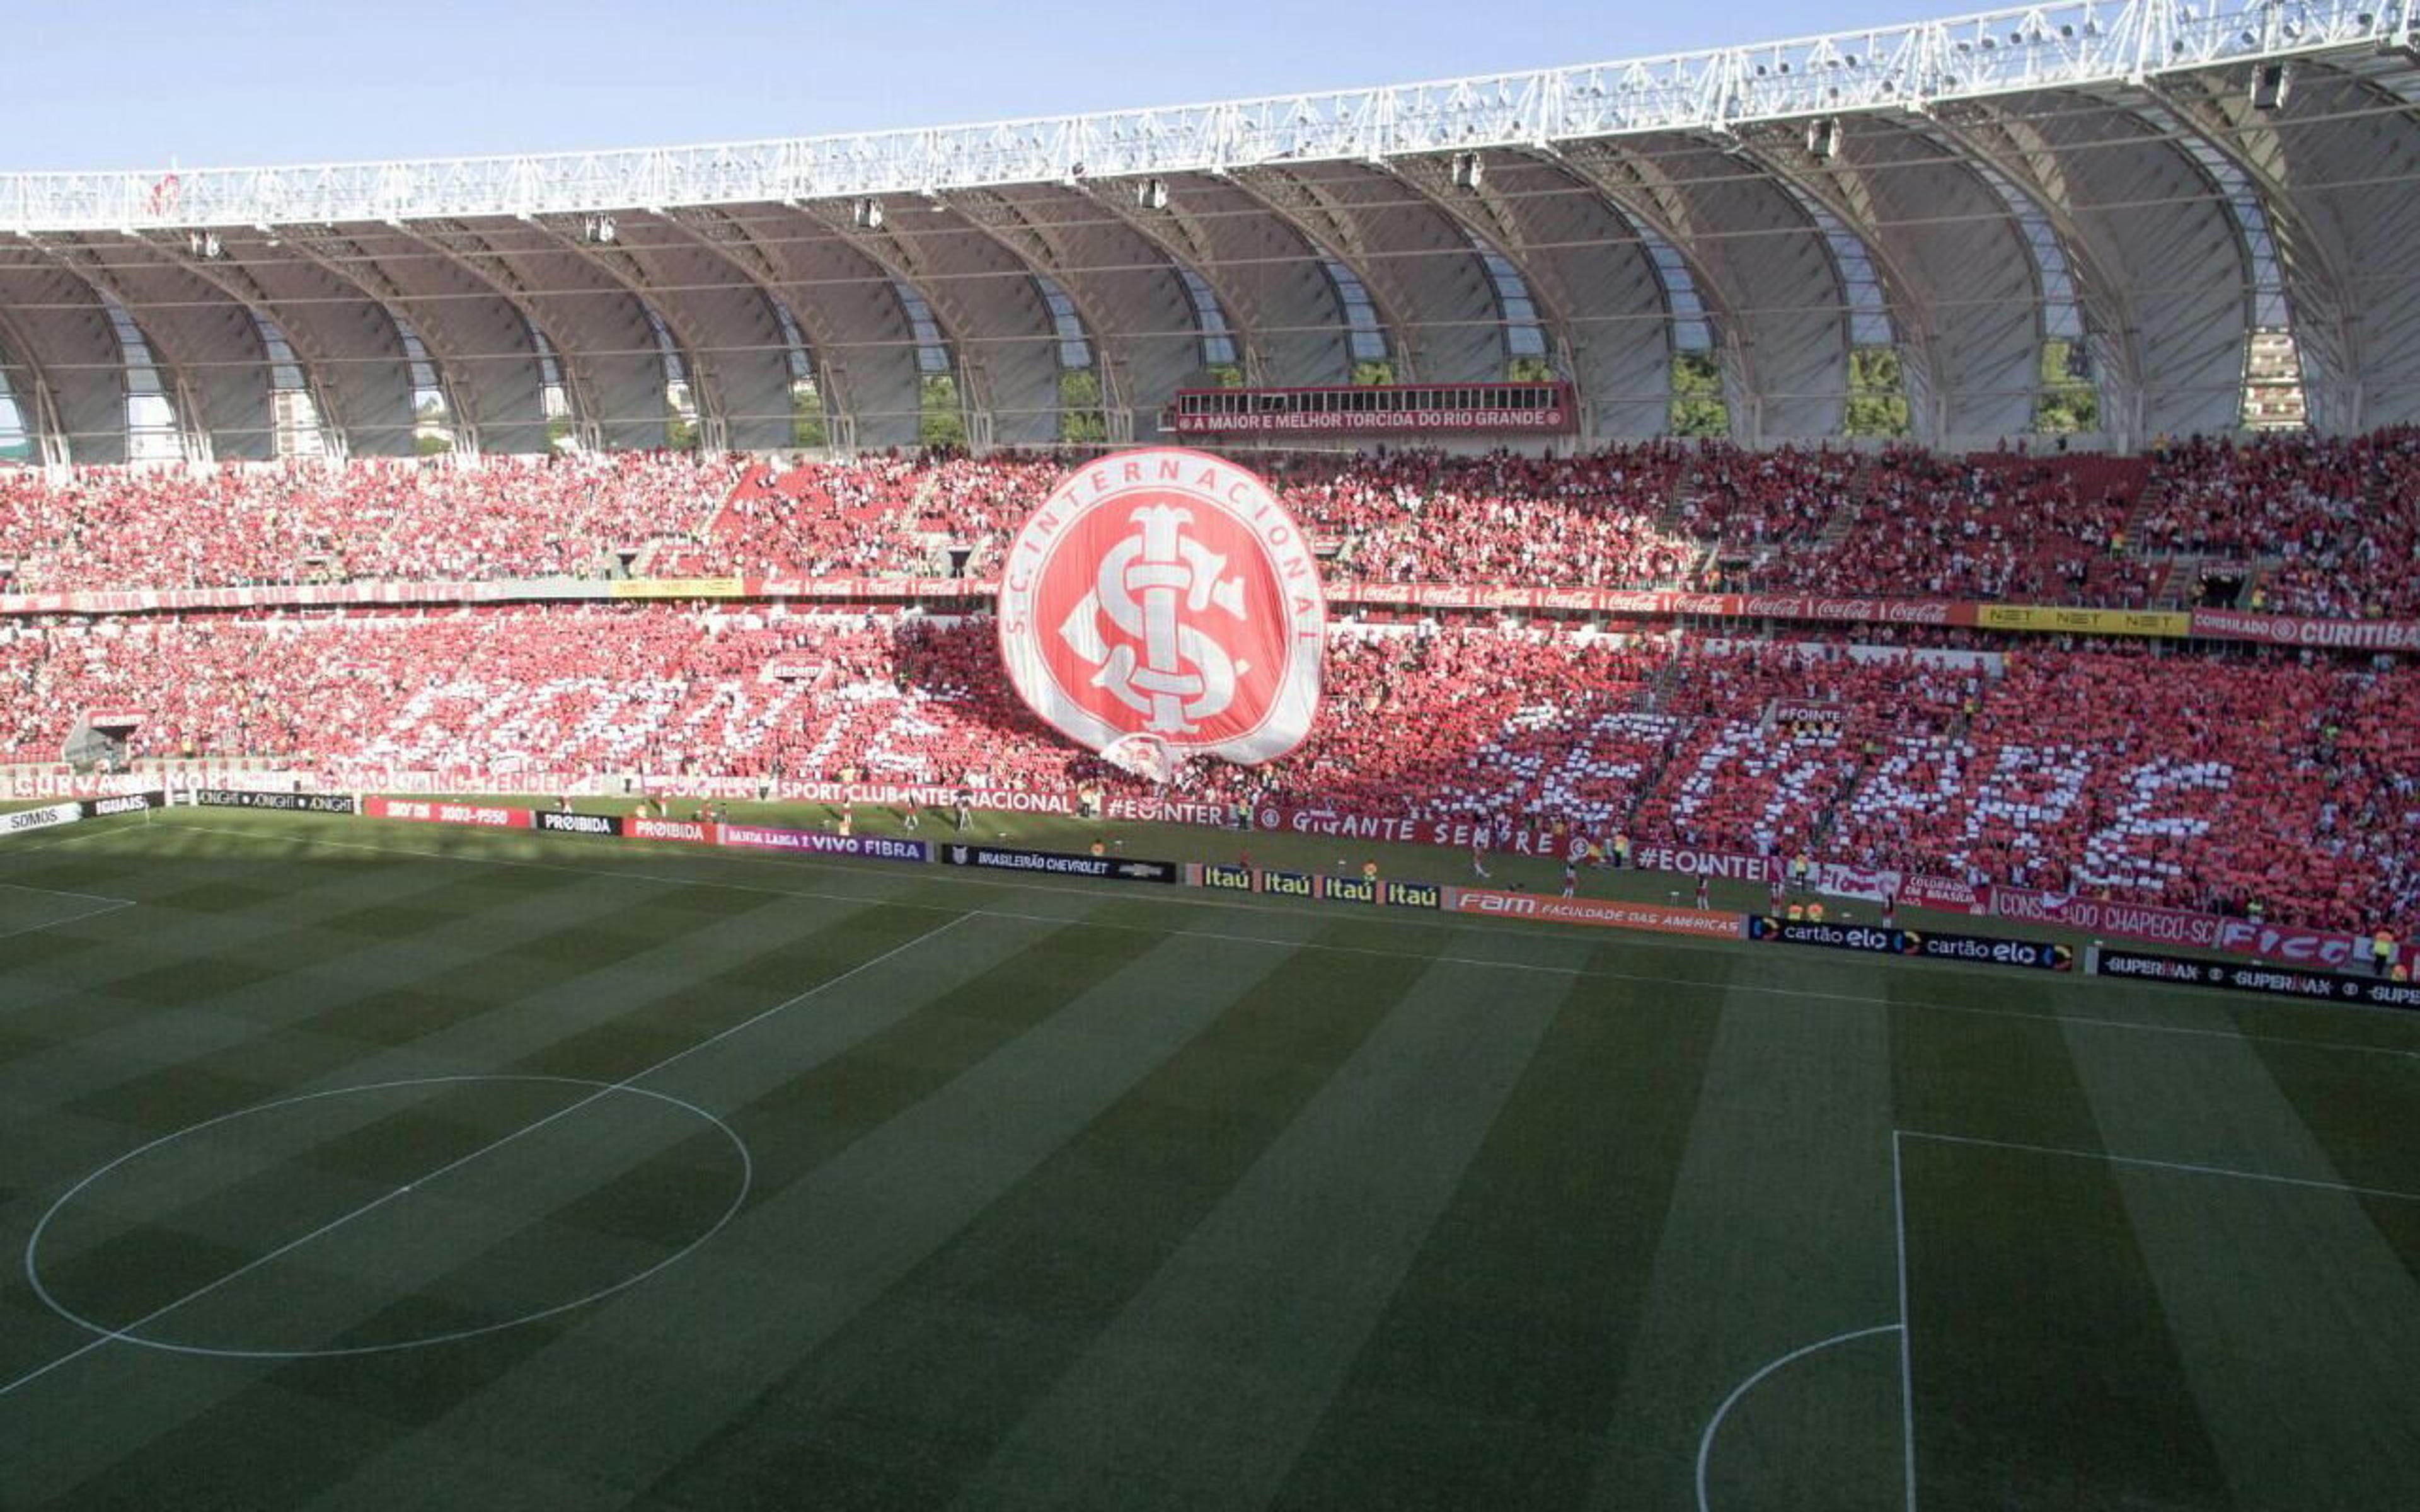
(1371, 374)
(1080, 421)
(939, 422)
(2068, 401)
(1698, 408)
(1528, 370)
(680, 432)
(430, 443)
(1877, 393)
(807, 428)
(1225, 375)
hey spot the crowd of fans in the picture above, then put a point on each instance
(2310, 526)
(101, 528)
(2189, 782)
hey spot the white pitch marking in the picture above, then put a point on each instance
(1404, 922)
(1906, 1334)
(62, 892)
(72, 919)
(1713, 1424)
(2185, 1167)
(375, 1203)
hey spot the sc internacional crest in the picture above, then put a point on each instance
(1161, 604)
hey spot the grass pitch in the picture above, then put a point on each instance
(351, 1164)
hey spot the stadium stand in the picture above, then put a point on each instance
(2191, 781)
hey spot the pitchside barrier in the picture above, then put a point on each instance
(2271, 981)
(1366, 890)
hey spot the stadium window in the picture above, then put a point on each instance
(554, 399)
(1525, 337)
(150, 417)
(681, 404)
(294, 416)
(1365, 338)
(1217, 336)
(932, 352)
(432, 428)
(16, 445)
(807, 421)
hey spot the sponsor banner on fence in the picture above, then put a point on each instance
(1973, 950)
(1871, 938)
(2047, 617)
(676, 588)
(123, 803)
(2156, 925)
(48, 817)
(2291, 630)
(2275, 982)
(1225, 878)
(430, 811)
(691, 831)
(577, 824)
(1327, 824)
(252, 798)
(1413, 894)
(1605, 913)
(921, 796)
(815, 841)
(1349, 889)
(1059, 863)
(1945, 895)
(1290, 884)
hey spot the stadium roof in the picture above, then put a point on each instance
(2180, 191)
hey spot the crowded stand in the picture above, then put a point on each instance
(2312, 527)
(2271, 785)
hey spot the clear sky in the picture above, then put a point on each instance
(136, 83)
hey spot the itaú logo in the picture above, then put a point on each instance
(1164, 600)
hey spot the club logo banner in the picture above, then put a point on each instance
(1161, 604)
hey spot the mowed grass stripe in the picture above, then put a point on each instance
(1202, 1391)
(2045, 1372)
(648, 1377)
(1490, 1378)
(916, 1391)
(147, 1408)
(1779, 1234)
(2367, 1116)
(2298, 1324)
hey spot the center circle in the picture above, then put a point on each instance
(557, 1191)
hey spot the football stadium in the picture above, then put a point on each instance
(1680, 783)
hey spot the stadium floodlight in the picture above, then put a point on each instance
(1153, 194)
(2270, 84)
(1469, 170)
(867, 214)
(1822, 137)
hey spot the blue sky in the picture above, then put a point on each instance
(139, 83)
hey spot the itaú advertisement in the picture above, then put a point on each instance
(1710, 925)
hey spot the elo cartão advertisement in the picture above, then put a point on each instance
(1161, 604)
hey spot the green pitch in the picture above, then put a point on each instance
(350, 1164)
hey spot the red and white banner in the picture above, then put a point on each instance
(2180, 927)
(2291, 630)
(430, 812)
(1461, 834)
(1602, 912)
